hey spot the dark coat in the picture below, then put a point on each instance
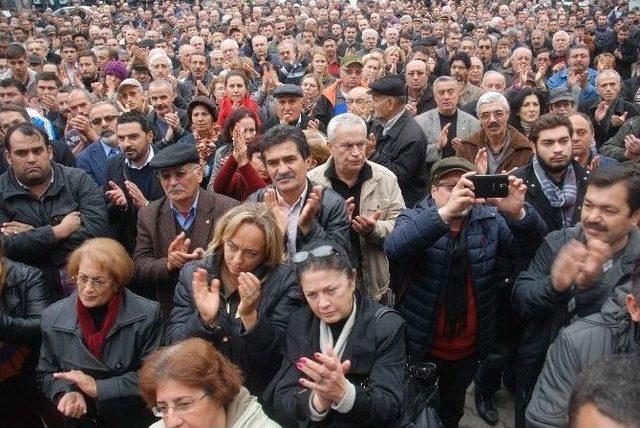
(123, 224)
(94, 161)
(547, 310)
(159, 127)
(604, 130)
(427, 101)
(551, 216)
(404, 151)
(157, 228)
(256, 352)
(137, 332)
(61, 154)
(521, 155)
(71, 190)
(331, 222)
(274, 121)
(376, 350)
(420, 246)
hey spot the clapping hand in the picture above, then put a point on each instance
(178, 253)
(278, 207)
(249, 289)
(310, 209)
(325, 377)
(139, 200)
(206, 296)
(116, 196)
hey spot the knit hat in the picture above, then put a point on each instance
(117, 68)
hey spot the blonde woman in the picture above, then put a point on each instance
(312, 88)
(394, 60)
(240, 296)
(371, 67)
(319, 66)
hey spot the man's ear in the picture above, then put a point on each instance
(632, 307)
(635, 217)
(7, 155)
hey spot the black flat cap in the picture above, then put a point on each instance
(205, 102)
(429, 41)
(176, 154)
(287, 89)
(392, 85)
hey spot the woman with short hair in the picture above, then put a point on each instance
(191, 383)
(240, 295)
(94, 341)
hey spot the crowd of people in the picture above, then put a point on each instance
(319, 213)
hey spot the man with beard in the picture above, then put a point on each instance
(577, 77)
(176, 228)
(88, 69)
(167, 122)
(131, 182)
(93, 159)
(576, 269)
(46, 210)
(159, 65)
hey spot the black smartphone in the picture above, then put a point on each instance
(490, 186)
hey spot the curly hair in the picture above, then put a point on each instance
(193, 362)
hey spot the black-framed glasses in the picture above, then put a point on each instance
(322, 251)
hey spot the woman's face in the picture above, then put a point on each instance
(249, 126)
(530, 110)
(245, 250)
(319, 63)
(112, 80)
(392, 57)
(201, 119)
(370, 70)
(310, 88)
(236, 89)
(219, 91)
(95, 286)
(257, 162)
(200, 410)
(329, 294)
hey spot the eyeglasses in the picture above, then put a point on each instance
(498, 114)
(322, 251)
(97, 282)
(161, 411)
(165, 174)
(98, 120)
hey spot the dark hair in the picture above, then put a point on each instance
(336, 261)
(88, 53)
(27, 129)
(68, 44)
(15, 108)
(612, 386)
(614, 174)
(137, 117)
(236, 116)
(15, 51)
(549, 121)
(516, 99)
(284, 134)
(13, 83)
(47, 76)
(635, 281)
(461, 56)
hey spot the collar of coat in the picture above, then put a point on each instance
(16, 188)
(518, 141)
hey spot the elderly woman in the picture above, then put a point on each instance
(344, 355)
(200, 387)
(240, 295)
(94, 341)
(394, 60)
(202, 116)
(23, 298)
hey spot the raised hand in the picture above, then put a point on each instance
(278, 208)
(178, 253)
(116, 196)
(206, 297)
(618, 120)
(461, 200)
(364, 225)
(443, 137)
(598, 253)
(139, 200)
(310, 209)
(567, 265)
(601, 111)
(482, 161)
(371, 145)
(239, 146)
(249, 289)
(513, 205)
(350, 206)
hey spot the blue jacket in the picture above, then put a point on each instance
(94, 161)
(587, 95)
(420, 245)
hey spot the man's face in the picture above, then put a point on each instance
(416, 75)
(493, 84)
(485, 50)
(582, 136)
(468, 46)
(493, 118)
(181, 183)
(132, 140)
(80, 42)
(446, 97)
(349, 150)
(161, 98)
(46, 88)
(286, 52)
(11, 95)
(606, 214)
(88, 68)
(229, 52)
(103, 121)
(351, 76)
(391, 36)
(537, 39)
(79, 104)
(459, 71)
(562, 107)
(579, 60)
(69, 55)
(35, 48)
(260, 46)
(441, 191)
(131, 98)
(330, 48)
(453, 42)
(112, 43)
(198, 66)
(360, 102)
(560, 43)
(30, 158)
(522, 58)
(369, 41)
(159, 70)
(609, 88)
(602, 21)
(543, 60)
(198, 45)
(350, 34)
(553, 149)
(19, 66)
(286, 167)
(7, 120)
(184, 55)
(289, 108)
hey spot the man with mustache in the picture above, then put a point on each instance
(288, 107)
(130, 181)
(93, 159)
(46, 209)
(577, 268)
(176, 228)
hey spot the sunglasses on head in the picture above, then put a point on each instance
(322, 251)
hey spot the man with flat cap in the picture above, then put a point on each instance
(289, 107)
(176, 228)
(401, 145)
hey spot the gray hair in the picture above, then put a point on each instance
(369, 31)
(492, 97)
(163, 82)
(607, 73)
(230, 42)
(153, 59)
(345, 120)
(444, 79)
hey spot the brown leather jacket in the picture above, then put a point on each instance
(522, 149)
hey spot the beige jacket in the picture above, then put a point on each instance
(244, 412)
(381, 192)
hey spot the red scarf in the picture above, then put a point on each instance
(92, 338)
(226, 108)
